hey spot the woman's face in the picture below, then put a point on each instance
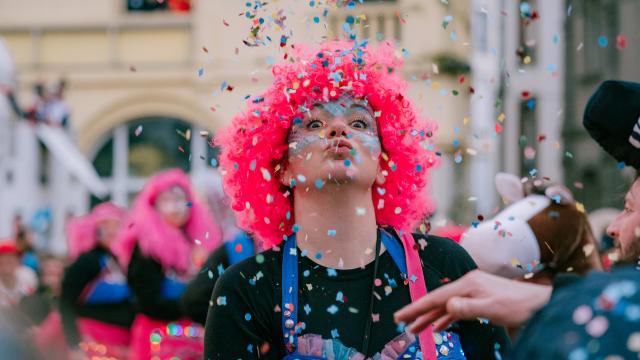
(335, 142)
(108, 231)
(172, 206)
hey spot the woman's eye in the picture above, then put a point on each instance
(359, 124)
(314, 124)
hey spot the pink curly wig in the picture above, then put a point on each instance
(170, 246)
(82, 231)
(255, 145)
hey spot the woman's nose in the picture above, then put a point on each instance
(337, 128)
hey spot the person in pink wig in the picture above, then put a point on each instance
(169, 236)
(328, 169)
(95, 306)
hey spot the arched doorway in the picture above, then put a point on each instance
(135, 150)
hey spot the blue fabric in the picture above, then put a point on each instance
(172, 288)
(290, 290)
(247, 248)
(31, 260)
(107, 289)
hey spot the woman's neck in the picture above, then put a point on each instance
(337, 225)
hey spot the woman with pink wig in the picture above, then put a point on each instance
(328, 169)
(95, 300)
(166, 242)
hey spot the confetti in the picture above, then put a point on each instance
(603, 41)
(138, 130)
(621, 42)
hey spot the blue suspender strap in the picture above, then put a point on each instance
(395, 250)
(290, 293)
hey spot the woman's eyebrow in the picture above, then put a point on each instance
(363, 107)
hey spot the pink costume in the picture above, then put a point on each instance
(150, 248)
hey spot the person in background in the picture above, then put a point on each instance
(24, 241)
(45, 300)
(16, 280)
(594, 317)
(168, 237)
(237, 246)
(95, 301)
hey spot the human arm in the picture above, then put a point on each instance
(475, 295)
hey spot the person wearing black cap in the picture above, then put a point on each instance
(612, 118)
(594, 317)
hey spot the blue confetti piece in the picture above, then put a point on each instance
(189, 204)
(318, 255)
(319, 183)
(331, 232)
(221, 301)
(621, 165)
(456, 143)
(316, 19)
(247, 316)
(332, 272)
(270, 60)
(250, 348)
(347, 162)
(531, 103)
(332, 309)
(223, 86)
(296, 228)
(301, 178)
(200, 72)
(533, 172)
(552, 68)
(453, 36)
(334, 333)
(306, 273)
(340, 297)
(307, 308)
(603, 42)
(556, 38)
(214, 163)
(556, 199)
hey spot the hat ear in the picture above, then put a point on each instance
(509, 187)
(560, 194)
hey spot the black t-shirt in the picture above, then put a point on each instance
(196, 297)
(145, 276)
(76, 277)
(244, 321)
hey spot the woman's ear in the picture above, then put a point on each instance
(509, 187)
(381, 176)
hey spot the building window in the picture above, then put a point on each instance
(138, 149)
(156, 5)
(528, 32)
(528, 136)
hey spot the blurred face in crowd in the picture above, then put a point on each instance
(9, 263)
(337, 142)
(625, 228)
(172, 206)
(108, 231)
(52, 272)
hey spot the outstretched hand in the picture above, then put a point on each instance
(475, 295)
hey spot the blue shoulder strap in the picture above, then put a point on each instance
(395, 249)
(290, 293)
(246, 248)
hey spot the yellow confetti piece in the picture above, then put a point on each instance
(527, 60)
(306, 83)
(435, 85)
(501, 117)
(515, 262)
(465, 120)
(296, 85)
(580, 207)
